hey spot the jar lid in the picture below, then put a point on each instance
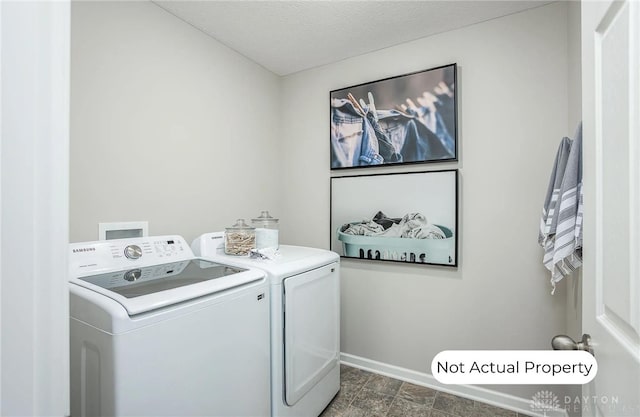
(240, 225)
(265, 217)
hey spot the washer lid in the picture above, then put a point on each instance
(148, 288)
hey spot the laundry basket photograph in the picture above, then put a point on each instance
(429, 251)
(402, 217)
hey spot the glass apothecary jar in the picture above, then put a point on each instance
(239, 239)
(266, 231)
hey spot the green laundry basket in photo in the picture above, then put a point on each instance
(429, 251)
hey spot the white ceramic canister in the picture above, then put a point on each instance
(266, 231)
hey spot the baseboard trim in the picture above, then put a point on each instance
(498, 399)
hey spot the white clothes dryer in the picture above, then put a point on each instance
(305, 322)
(156, 331)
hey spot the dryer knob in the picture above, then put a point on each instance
(133, 252)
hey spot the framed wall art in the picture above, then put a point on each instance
(406, 119)
(402, 217)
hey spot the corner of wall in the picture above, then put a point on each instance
(574, 74)
(574, 82)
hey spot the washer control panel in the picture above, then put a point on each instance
(101, 256)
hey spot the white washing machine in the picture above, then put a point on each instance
(305, 323)
(156, 331)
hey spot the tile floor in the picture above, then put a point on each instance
(367, 394)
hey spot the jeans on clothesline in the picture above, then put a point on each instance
(353, 140)
(393, 138)
(411, 137)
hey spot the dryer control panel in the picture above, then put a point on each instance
(88, 258)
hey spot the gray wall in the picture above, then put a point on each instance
(513, 97)
(167, 124)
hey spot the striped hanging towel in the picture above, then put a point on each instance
(561, 223)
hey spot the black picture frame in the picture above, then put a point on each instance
(409, 217)
(406, 119)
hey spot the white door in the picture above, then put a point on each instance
(611, 293)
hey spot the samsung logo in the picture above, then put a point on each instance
(78, 250)
(216, 237)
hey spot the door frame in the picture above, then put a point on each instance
(34, 207)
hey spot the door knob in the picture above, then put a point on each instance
(563, 342)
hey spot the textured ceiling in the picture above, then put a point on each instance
(291, 36)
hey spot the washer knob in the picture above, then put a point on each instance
(133, 275)
(133, 252)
